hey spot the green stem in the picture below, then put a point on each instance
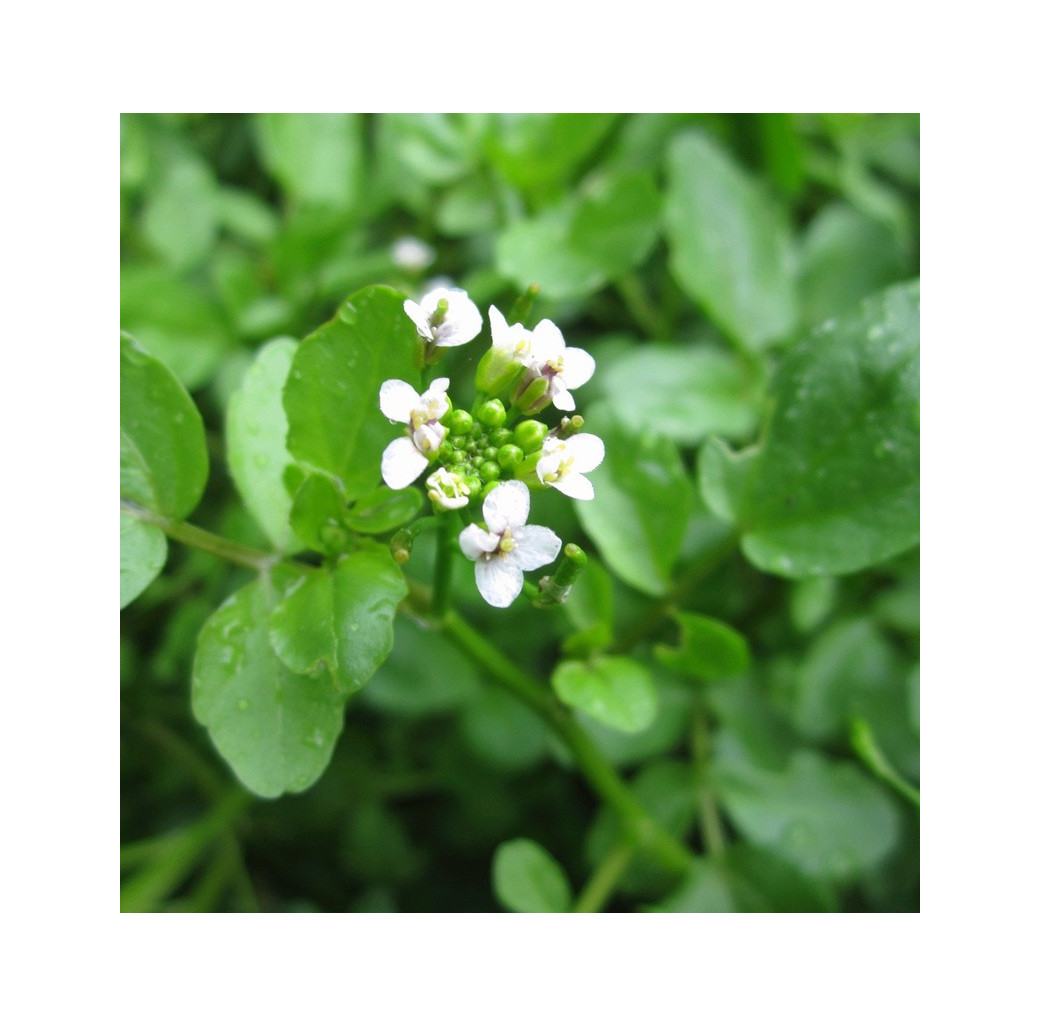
(443, 561)
(601, 884)
(866, 747)
(645, 314)
(638, 827)
(198, 538)
(712, 831)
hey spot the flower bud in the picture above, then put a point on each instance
(459, 422)
(530, 434)
(492, 413)
(500, 436)
(489, 471)
(498, 372)
(532, 394)
(490, 453)
(510, 456)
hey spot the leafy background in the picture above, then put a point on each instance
(745, 643)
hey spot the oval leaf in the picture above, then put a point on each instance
(341, 620)
(731, 248)
(708, 648)
(142, 555)
(276, 728)
(834, 486)
(332, 395)
(527, 878)
(613, 690)
(256, 429)
(162, 446)
(642, 502)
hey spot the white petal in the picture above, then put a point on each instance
(402, 463)
(507, 506)
(432, 298)
(547, 341)
(576, 486)
(437, 386)
(547, 465)
(500, 337)
(562, 399)
(463, 322)
(587, 451)
(499, 580)
(397, 399)
(475, 542)
(419, 319)
(578, 367)
(535, 547)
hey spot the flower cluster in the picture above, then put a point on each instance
(498, 450)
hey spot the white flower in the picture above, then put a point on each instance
(460, 324)
(508, 547)
(564, 462)
(412, 254)
(546, 355)
(447, 490)
(404, 459)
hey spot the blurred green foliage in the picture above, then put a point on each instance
(751, 607)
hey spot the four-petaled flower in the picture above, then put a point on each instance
(447, 490)
(546, 355)
(404, 459)
(445, 318)
(564, 462)
(508, 547)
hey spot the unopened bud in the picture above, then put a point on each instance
(531, 396)
(459, 422)
(492, 414)
(530, 434)
(500, 436)
(510, 457)
(498, 373)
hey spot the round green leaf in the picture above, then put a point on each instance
(384, 509)
(708, 648)
(332, 396)
(527, 878)
(825, 817)
(276, 728)
(341, 620)
(683, 393)
(613, 690)
(162, 446)
(256, 429)
(730, 247)
(316, 158)
(834, 485)
(643, 499)
(142, 555)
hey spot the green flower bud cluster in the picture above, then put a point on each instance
(481, 451)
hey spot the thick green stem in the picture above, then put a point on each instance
(601, 884)
(638, 827)
(443, 561)
(198, 538)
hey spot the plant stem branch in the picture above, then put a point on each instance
(442, 565)
(638, 827)
(601, 884)
(712, 831)
(197, 538)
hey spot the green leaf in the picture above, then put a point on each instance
(163, 463)
(683, 393)
(527, 878)
(316, 158)
(825, 817)
(535, 151)
(747, 879)
(845, 258)
(730, 247)
(142, 555)
(643, 499)
(341, 620)
(434, 148)
(614, 690)
(256, 429)
(275, 728)
(175, 321)
(179, 220)
(319, 515)
(576, 248)
(421, 676)
(708, 648)
(332, 396)
(834, 485)
(384, 509)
